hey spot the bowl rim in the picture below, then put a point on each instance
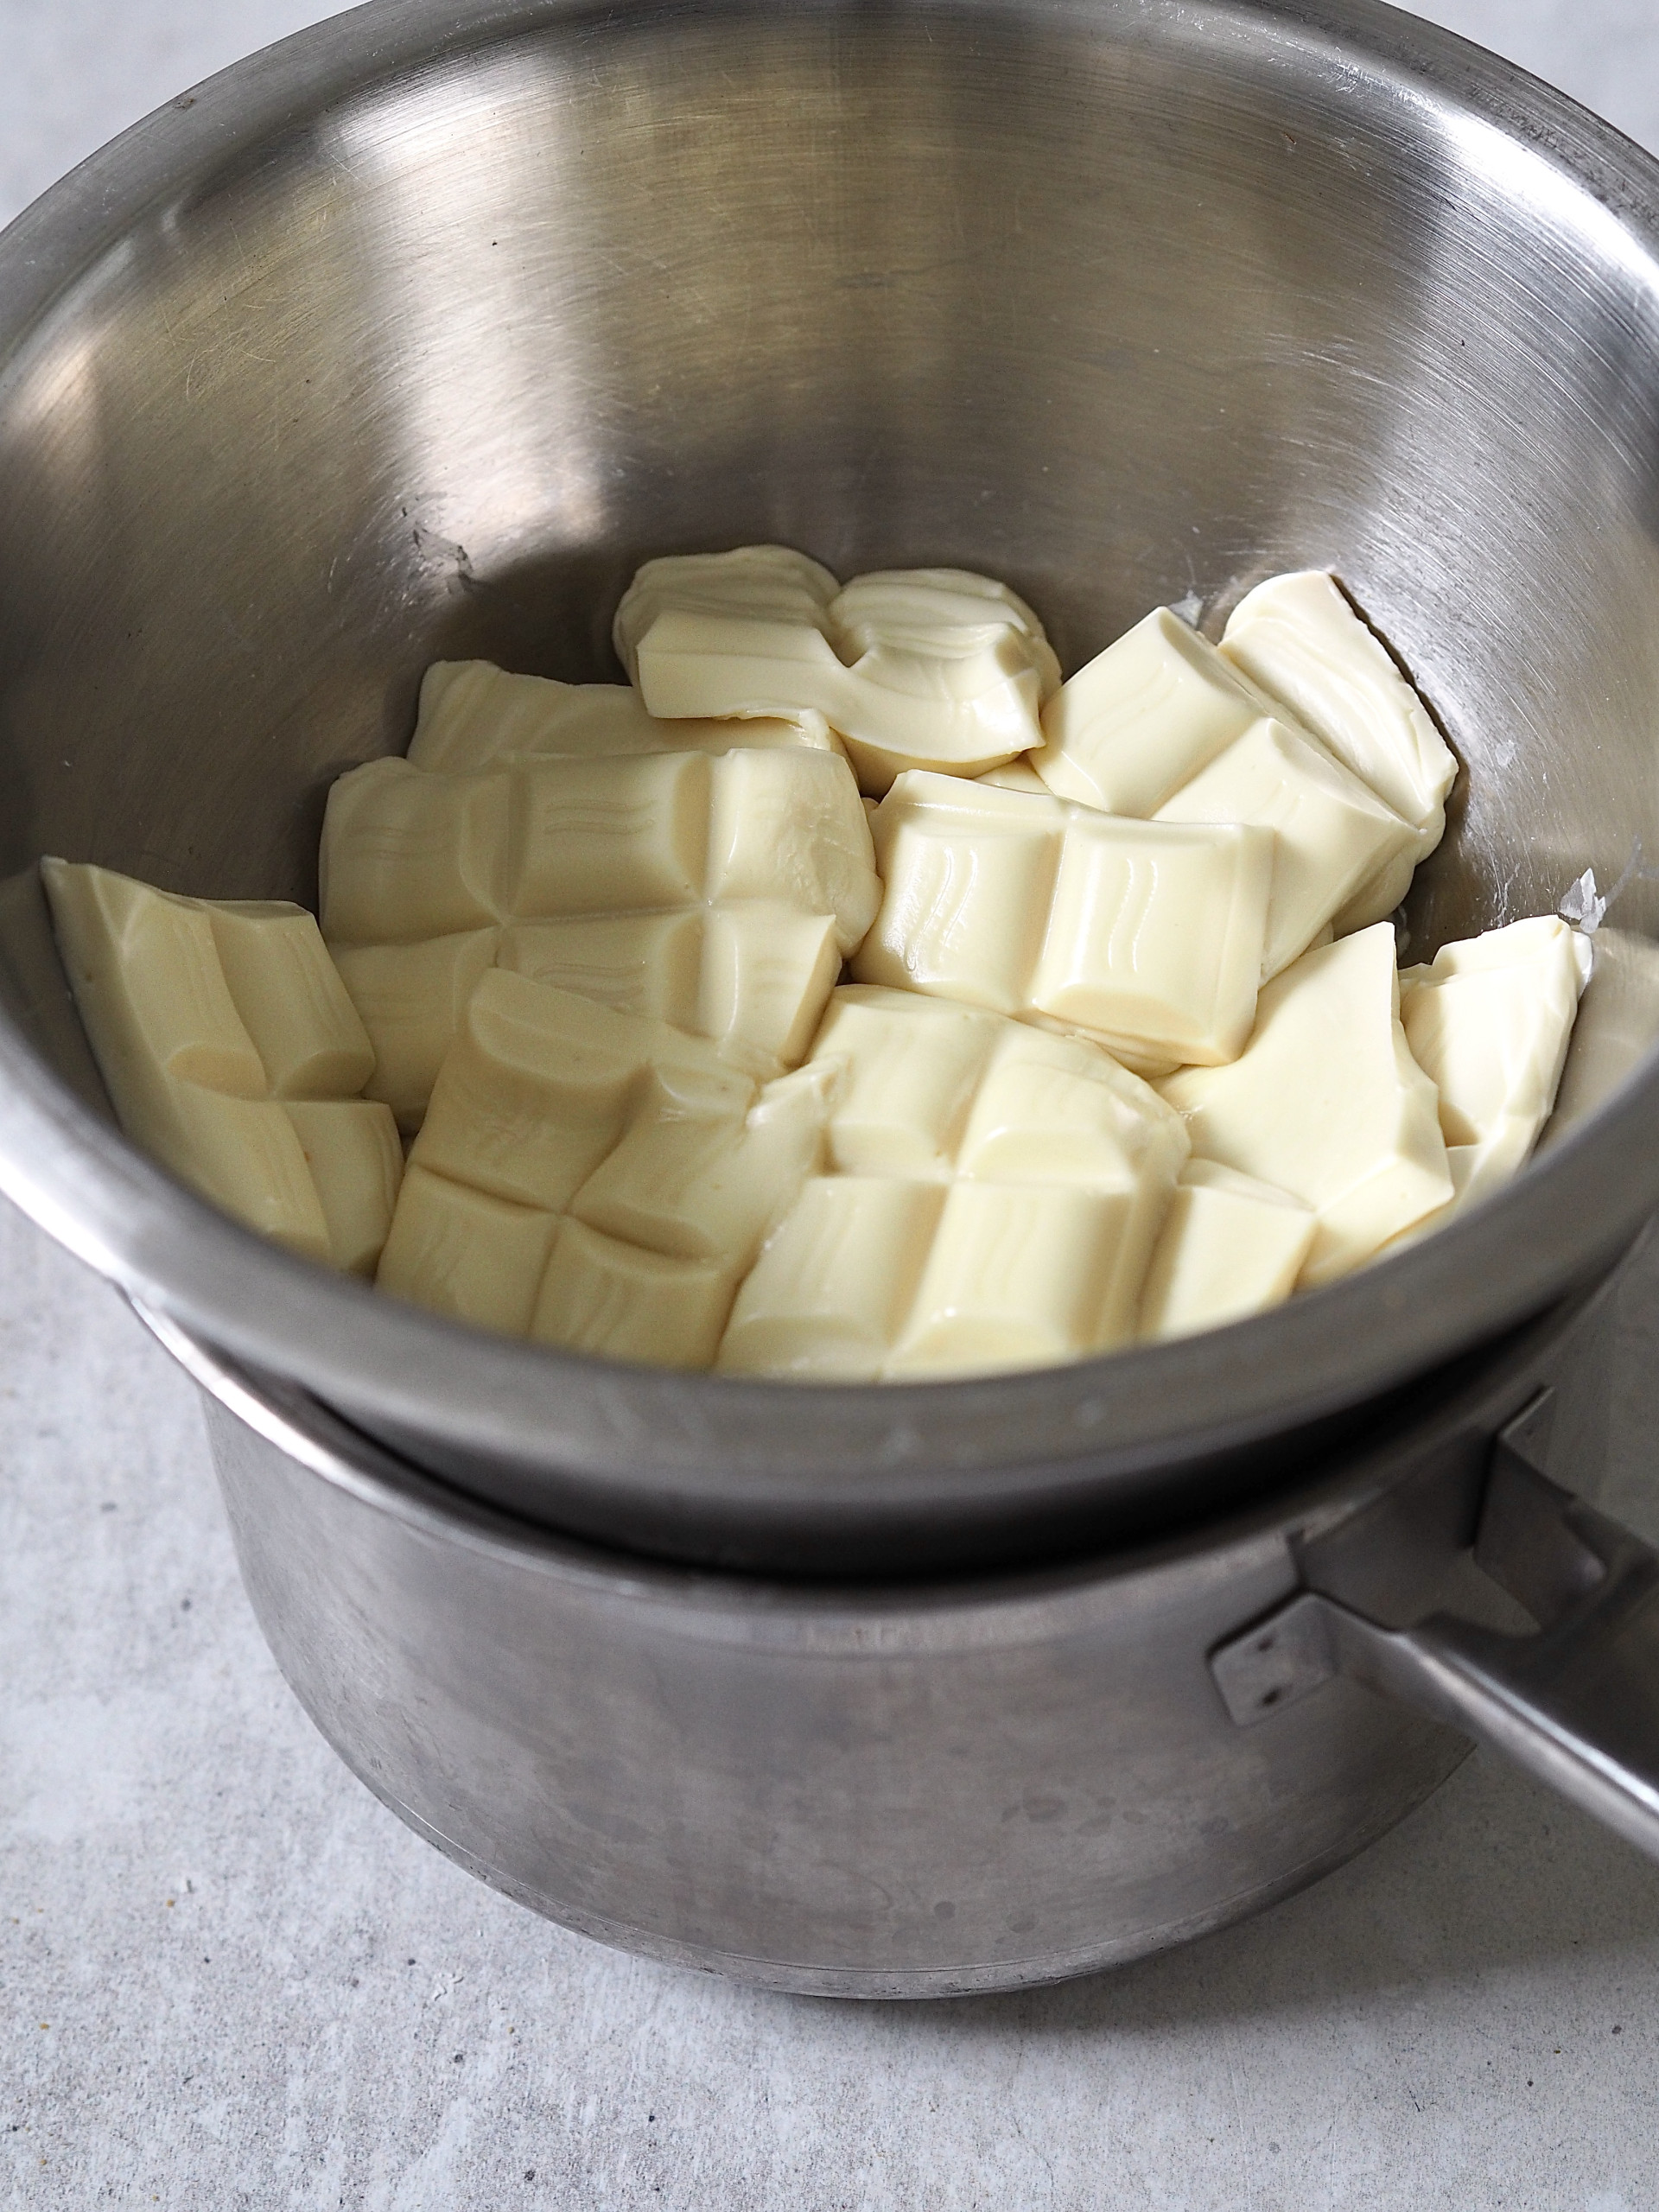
(747, 1449)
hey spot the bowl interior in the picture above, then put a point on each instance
(403, 344)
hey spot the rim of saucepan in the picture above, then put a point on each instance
(743, 1446)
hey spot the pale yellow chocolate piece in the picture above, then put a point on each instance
(994, 1195)
(768, 584)
(553, 1114)
(1230, 1246)
(463, 1253)
(410, 999)
(1618, 1026)
(924, 668)
(1489, 1022)
(1015, 776)
(603, 1296)
(1299, 638)
(1327, 1104)
(1331, 833)
(474, 715)
(232, 1054)
(1142, 718)
(408, 856)
(1146, 937)
(717, 892)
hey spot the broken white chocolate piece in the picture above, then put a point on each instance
(232, 1054)
(1489, 1022)
(408, 856)
(993, 1194)
(1015, 776)
(409, 999)
(1146, 937)
(1327, 1104)
(550, 1108)
(1230, 1246)
(1618, 1026)
(950, 671)
(1299, 638)
(474, 715)
(1331, 833)
(930, 668)
(1142, 718)
(351, 1148)
(600, 1295)
(461, 1252)
(718, 892)
(771, 584)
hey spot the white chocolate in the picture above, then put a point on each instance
(1142, 718)
(994, 1195)
(600, 1295)
(408, 856)
(1149, 938)
(1618, 1026)
(1014, 776)
(1298, 638)
(924, 668)
(551, 1110)
(1230, 1246)
(474, 715)
(760, 583)
(1327, 1104)
(232, 1054)
(1331, 835)
(718, 892)
(1489, 1022)
(410, 999)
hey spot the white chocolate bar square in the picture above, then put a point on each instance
(1489, 1021)
(994, 1195)
(604, 1296)
(1230, 1246)
(717, 892)
(556, 1108)
(1326, 1103)
(407, 855)
(1147, 936)
(1142, 718)
(1331, 835)
(1302, 643)
(474, 715)
(232, 1054)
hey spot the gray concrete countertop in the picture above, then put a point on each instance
(229, 1978)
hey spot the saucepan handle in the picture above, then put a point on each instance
(1576, 1701)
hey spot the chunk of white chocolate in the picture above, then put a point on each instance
(232, 1054)
(1618, 1026)
(1489, 1021)
(718, 892)
(932, 668)
(409, 999)
(474, 715)
(1327, 1104)
(1147, 936)
(764, 584)
(993, 1194)
(1142, 718)
(1299, 639)
(553, 1114)
(1331, 835)
(1230, 1246)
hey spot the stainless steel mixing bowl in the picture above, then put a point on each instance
(411, 338)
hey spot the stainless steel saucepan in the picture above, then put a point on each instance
(410, 338)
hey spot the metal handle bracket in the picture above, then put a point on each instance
(1576, 1700)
